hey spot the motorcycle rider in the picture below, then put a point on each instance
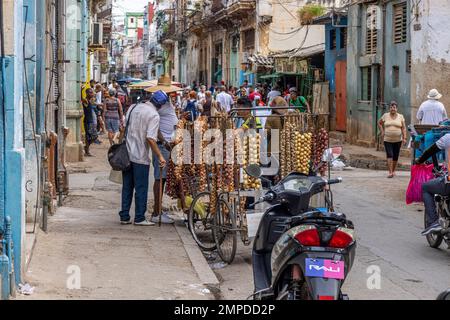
(435, 186)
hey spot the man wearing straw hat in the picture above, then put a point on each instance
(432, 112)
(167, 123)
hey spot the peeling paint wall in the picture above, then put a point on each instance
(430, 45)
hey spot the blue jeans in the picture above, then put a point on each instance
(136, 178)
(429, 189)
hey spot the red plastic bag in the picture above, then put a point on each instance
(420, 173)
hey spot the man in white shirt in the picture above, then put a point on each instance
(224, 100)
(275, 92)
(141, 135)
(432, 112)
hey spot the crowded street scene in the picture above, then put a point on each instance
(224, 150)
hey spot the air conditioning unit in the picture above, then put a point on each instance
(96, 33)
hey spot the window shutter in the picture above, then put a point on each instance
(400, 23)
(371, 32)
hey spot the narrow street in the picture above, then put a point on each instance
(197, 96)
(388, 234)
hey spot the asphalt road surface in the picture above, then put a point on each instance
(393, 261)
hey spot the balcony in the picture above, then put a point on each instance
(238, 8)
(230, 11)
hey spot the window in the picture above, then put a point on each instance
(400, 23)
(343, 43)
(366, 84)
(249, 39)
(131, 20)
(371, 31)
(395, 76)
(408, 61)
(333, 39)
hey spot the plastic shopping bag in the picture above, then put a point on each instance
(200, 207)
(420, 173)
(115, 176)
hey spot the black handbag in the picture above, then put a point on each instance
(118, 154)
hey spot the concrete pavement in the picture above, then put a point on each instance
(86, 246)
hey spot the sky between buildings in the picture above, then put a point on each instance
(120, 7)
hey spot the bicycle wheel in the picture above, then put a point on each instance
(200, 220)
(224, 232)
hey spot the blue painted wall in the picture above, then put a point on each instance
(15, 153)
(362, 115)
(333, 55)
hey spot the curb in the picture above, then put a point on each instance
(198, 261)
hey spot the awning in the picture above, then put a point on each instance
(261, 60)
(280, 74)
(301, 53)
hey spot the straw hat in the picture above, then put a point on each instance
(164, 84)
(279, 102)
(434, 94)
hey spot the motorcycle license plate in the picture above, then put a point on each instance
(322, 268)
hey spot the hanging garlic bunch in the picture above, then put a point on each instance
(229, 159)
(251, 149)
(200, 127)
(178, 170)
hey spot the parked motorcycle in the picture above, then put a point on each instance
(435, 239)
(444, 295)
(301, 252)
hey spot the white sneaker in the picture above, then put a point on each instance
(145, 223)
(164, 219)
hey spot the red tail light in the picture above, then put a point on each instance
(341, 239)
(309, 238)
(326, 297)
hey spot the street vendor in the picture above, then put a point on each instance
(167, 123)
(298, 101)
(246, 120)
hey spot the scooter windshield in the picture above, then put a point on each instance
(297, 184)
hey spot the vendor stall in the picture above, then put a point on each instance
(208, 172)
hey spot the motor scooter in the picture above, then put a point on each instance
(301, 252)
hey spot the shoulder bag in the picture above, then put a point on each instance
(118, 154)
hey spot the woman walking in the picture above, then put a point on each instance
(393, 131)
(113, 114)
(90, 121)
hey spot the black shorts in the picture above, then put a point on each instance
(392, 150)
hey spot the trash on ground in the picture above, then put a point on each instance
(25, 289)
(206, 291)
(218, 265)
(337, 165)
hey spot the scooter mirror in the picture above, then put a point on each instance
(444, 295)
(254, 170)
